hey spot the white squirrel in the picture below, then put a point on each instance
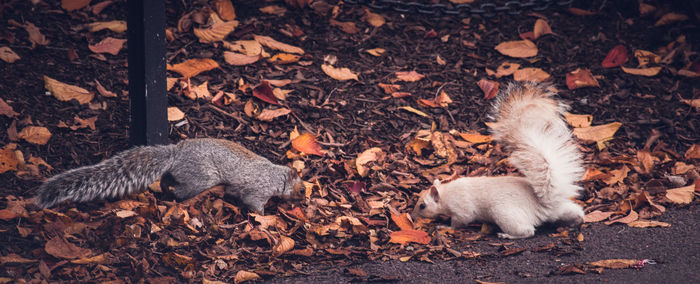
(530, 123)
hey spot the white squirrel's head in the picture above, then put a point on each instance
(428, 205)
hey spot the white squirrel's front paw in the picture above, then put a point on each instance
(506, 236)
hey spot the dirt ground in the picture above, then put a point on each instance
(339, 233)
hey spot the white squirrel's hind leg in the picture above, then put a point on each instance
(569, 213)
(512, 229)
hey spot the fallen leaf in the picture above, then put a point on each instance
(175, 114)
(376, 51)
(307, 144)
(247, 47)
(442, 100)
(108, 45)
(14, 259)
(104, 92)
(645, 57)
(580, 78)
(8, 55)
(347, 27)
(409, 76)
(581, 12)
(8, 160)
(597, 216)
(651, 71)
(506, 69)
(61, 248)
(682, 195)
(217, 31)
(238, 59)
(405, 236)
(614, 263)
(541, 28)
(490, 88)
(693, 152)
(413, 110)
(670, 18)
(193, 67)
(355, 187)
(271, 43)
(225, 10)
(6, 109)
(263, 91)
(274, 10)
(648, 224)
(578, 120)
(389, 88)
(270, 114)
(374, 154)
(518, 48)
(284, 244)
(598, 134)
(243, 276)
(530, 74)
(401, 219)
(373, 19)
(616, 57)
(65, 92)
(633, 216)
(35, 134)
(99, 7)
(83, 123)
(281, 94)
(284, 58)
(476, 138)
(70, 5)
(199, 92)
(115, 26)
(340, 74)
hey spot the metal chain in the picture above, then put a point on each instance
(487, 10)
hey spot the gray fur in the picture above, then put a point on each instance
(194, 165)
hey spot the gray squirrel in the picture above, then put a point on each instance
(193, 165)
(529, 122)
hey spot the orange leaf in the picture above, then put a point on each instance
(409, 76)
(389, 88)
(307, 144)
(517, 48)
(373, 19)
(581, 12)
(580, 78)
(402, 220)
(270, 114)
(284, 58)
(284, 244)
(217, 31)
(598, 134)
(648, 223)
(8, 160)
(373, 154)
(8, 55)
(490, 88)
(476, 138)
(175, 114)
(115, 26)
(616, 57)
(108, 45)
(405, 236)
(670, 18)
(6, 109)
(193, 67)
(578, 120)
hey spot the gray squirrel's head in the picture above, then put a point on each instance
(293, 186)
(428, 205)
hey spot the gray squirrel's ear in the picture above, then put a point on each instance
(434, 193)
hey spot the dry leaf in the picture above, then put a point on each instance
(518, 48)
(616, 57)
(6, 109)
(376, 51)
(170, 83)
(274, 10)
(490, 88)
(7, 55)
(598, 134)
(247, 47)
(115, 26)
(683, 195)
(651, 71)
(476, 138)
(347, 27)
(633, 216)
(284, 58)
(70, 5)
(646, 9)
(541, 28)
(530, 74)
(199, 92)
(389, 88)
(340, 74)
(578, 120)
(225, 10)
(370, 155)
(271, 43)
(307, 144)
(580, 78)
(217, 31)
(648, 224)
(413, 110)
(65, 92)
(103, 92)
(693, 152)
(506, 68)
(14, 259)
(373, 19)
(285, 244)
(243, 276)
(405, 236)
(35, 35)
(193, 67)
(175, 114)
(61, 248)
(597, 216)
(614, 263)
(581, 12)
(238, 59)
(670, 18)
(264, 92)
(645, 57)
(108, 45)
(270, 114)
(8, 160)
(409, 76)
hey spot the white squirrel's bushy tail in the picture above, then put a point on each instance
(530, 122)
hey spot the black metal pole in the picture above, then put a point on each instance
(147, 94)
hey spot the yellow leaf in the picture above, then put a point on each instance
(374, 154)
(115, 26)
(651, 71)
(65, 92)
(193, 67)
(340, 74)
(517, 48)
(530, 74)
(175, 114)
(243, 276)
(376, 51)
(413, 110)
(682, 195)
(271, 43)
(578, 120)
(238, 59)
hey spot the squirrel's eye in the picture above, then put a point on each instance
(421, 206)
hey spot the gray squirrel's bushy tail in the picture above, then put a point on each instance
(127, 172)
(530, 122)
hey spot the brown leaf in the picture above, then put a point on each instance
(225, 10)
(541, 28)
(105, 258)
(389, 88)
(475, 137)
(374, 154)
(375, 51)
(247, 47)
(649, 72)
(670, 18)
(693, 102)
(581, 12)
(270, 114)
(115, 26)
(597, 216)
(402, 220)
(8, 160)
(373, 19)
(530, 74)
(6, 109)
(243, 276)
(614, 263)
(103, 92)
(340, 74)
(199, 92)
(648, 224)
(7, 55)
(193, 67)
(284, 58)
(61, 248)
(506, 68)
(217, 31)
(693, 152)
(14, 259)
(284, 244)
(70, 5)
(65, 92)
(490, 88)
(518, 48)
(616, 57)
(578, 120)
(598, 134)
(405, 236)
(35, 35)
(35, 134)
(271, 43)
(307, 144)
(238, 59)
(409, 76)
(347, 27)
(263, 91)
(682, 195)
(646, 161)
(580, 78)
(175, 114)
(645, 57)
(108, 45)
(633, 216)
(274, 10)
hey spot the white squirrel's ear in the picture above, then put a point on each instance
(436, 182)
(434, 193)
